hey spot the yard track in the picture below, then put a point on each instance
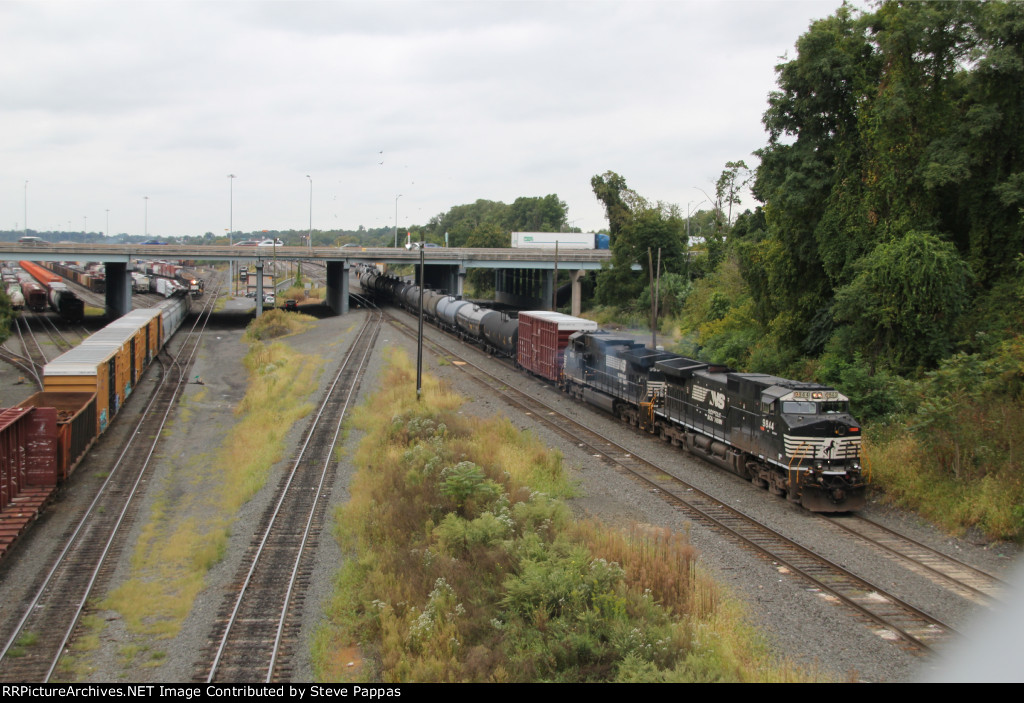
(255, 633)
(81, 563)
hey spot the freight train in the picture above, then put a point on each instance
(93, 276)
(65, 303)
(797, 439)
(44, 438)
(184, 278)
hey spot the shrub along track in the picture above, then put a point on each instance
(889, 616)
(80, 565)
(255, 633)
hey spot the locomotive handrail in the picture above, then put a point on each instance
(798, 455)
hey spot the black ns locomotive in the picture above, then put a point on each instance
(796, 439)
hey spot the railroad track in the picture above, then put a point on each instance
(889, 616)
(82, 563)
(32, 358)
(963, 579)
(256, 629)
(22, 363)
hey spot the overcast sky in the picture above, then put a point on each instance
(105, 103)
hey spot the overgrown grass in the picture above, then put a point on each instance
(938, 475)
(954, 453)
(276, 323)
(298, 292)
(467, 566)
(188, 526)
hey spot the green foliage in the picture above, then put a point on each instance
(466, 483)
(611, 190)
(6, 315)
(488, 223)
(875, 394)
(276, 323)
(900, 120)
(904, 300)
(673, 289)
(727, 189)
(638, 230)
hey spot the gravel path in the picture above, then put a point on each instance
(798, 623)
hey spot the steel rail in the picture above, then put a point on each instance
(368, 331)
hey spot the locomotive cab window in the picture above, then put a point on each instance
(768, 408)
(799, 407)
(834, 407)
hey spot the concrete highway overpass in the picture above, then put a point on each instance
(523, 276)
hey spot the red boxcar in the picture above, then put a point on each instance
(543, 337)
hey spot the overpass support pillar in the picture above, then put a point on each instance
(119, 290)
(577, 293)
(259, 288)
(529, 289)
(460, 283)
(337, 286)
(547, 286)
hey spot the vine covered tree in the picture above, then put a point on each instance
(887, 124)
(636, 226)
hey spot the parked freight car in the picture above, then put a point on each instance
(15, 295)
(94, 279)
(44, 437)
(35, 296)
(65, 303)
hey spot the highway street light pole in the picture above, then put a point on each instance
(396, 218)
(231, 229)
(309, 239)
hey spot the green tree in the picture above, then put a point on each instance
(619, 201)
(545, 214)
(909, 117)
(6, 315)
(639, 227)
(905, 300)
(727, 189)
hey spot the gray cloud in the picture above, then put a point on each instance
(107, 102)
